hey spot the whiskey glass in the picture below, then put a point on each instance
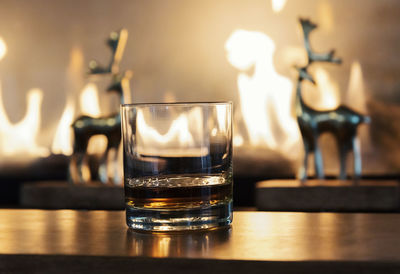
(177, 165)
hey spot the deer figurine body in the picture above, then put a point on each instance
(85, 127)
(342, 122)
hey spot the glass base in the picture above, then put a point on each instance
(179, 219)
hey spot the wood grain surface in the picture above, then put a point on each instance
(66, 241)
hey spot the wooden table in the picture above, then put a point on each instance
(67, 241)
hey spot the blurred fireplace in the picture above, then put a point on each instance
(200, 51)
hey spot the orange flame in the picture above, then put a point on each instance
(62, 142)
(20, 138)
(328, 91)
(265, 96)
(177, 141)
(356, 92)
(89, 101)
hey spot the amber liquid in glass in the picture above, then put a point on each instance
(174, 192)
(180, 196)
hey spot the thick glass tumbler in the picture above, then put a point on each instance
(177, 165)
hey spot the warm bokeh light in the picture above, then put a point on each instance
(237, 140)
(221, 116)
(89, 101)
(62, 140)
(325, 15)
(75, 67)
(265, 96)
(3, 48)
(126, 88)
(20, 138)
(278, 5)
(123, 38)
(328, 95)
(162, 246)
(356, 91)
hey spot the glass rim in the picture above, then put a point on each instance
(189, 104)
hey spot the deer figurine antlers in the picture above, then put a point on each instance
(342, 122)
(84, 127)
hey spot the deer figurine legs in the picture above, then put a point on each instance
(346, 146)
(107, 164)
(318, 162)
(357, 158)
(103, 167)
(343, 150)
(311, 145)
(76, 167)
(303, 169)
(351, 144)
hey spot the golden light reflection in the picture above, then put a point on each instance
(201, 243)
(67, 226)
(278, 5)
(297, 236)
(20, 138)
(329, 248)
(265, 96)
(3, 48)
(36, 236)
(163, 247)
(265, 228)
(8, 240)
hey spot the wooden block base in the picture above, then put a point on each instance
(328, 195)
(63, 195)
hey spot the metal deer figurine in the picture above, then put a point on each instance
(84, 127)
(342, 122)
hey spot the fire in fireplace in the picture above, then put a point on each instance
(201, 51)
